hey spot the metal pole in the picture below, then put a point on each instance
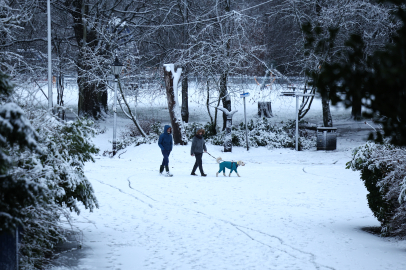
(246, 128)
(49, 57)
(17, 240)
(115, 114)
(297, 123)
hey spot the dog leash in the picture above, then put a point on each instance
(210, 155)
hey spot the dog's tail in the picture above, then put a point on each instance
(219, 160)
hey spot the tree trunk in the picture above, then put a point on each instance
(59, 101)
(185, 83)
(208, 103)
(228, 144)
(224, 97)
(173, 106)
(92, 94)
(215, 113)
(213, 125)
(356, 107)
(87, 103)
(327, 119)
(185, 100)
(264, 109)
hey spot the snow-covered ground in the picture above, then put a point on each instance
(288, 210)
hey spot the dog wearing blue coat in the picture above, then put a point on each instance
(231, 165)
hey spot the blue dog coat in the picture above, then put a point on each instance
(229, 165)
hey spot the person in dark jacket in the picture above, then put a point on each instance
(198, 146)
(165, 143)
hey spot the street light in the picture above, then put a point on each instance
(244, 95)
(116, 68)
(49, 56)
(297, 95)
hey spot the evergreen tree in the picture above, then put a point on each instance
(378, 80)
(16, 134)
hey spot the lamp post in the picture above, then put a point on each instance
(297, 95)
(244, 95)
(49, 56)
(116, 68)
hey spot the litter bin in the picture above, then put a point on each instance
(8, 251)
(326, 138)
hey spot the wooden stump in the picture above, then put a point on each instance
(265, 109)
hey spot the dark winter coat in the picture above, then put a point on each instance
(165, 139)
(198, 145)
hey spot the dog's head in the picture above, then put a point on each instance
(240, 163)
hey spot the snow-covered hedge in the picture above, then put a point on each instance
(131, 136)
(261, 132)
(383, 171)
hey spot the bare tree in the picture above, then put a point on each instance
(286, 39)
(171, 82)
(219, 45)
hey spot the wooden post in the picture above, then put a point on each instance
(171, 83)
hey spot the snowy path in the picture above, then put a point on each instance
(289, 210)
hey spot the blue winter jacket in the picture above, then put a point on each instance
(165, 139)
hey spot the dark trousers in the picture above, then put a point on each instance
(165, 153)
(198, 163)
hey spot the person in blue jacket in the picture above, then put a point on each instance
(165, 143)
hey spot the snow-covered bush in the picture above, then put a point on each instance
(42, 231)
(261, 132)
(192, 128)
(59, 169)
(148, 126)
(41, 175)
(131, 135)
(66, 147)
(383, 171)
(16, 134)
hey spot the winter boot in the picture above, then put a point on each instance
(167, 171)
(193, 174)
(161, 169)
(203, 174)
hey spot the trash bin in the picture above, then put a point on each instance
(326, 138)
(8, 251)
